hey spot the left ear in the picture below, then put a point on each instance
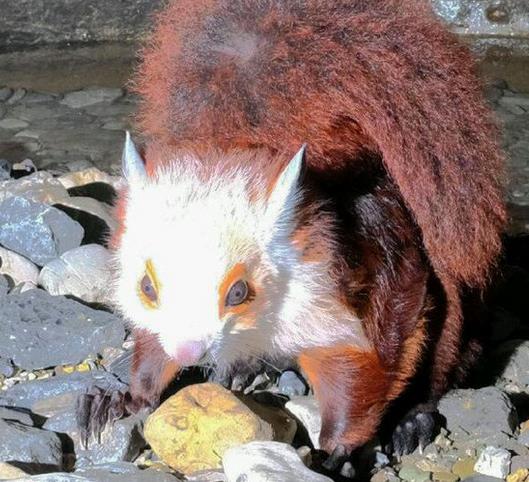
(284, 195)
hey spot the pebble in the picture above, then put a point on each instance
(192, 429)
(385, 475)
(40, 330)
(306, 410)
(88, 176)
(5, 93)
(464, 467)
(90, 96)
(13, 124)
(410, 473)
(465, 411)
(10, 472)
(5, 170)
(20, 269)
(267, 462)
(493, 461)
(291, 384)
(37, 231)
(82, 272)
(520, 475)
(39, 187)
(29, 445)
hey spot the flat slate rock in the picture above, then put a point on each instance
(41, 331)
(115, 472)
(53, 395)
(37, 231)
(29, 445)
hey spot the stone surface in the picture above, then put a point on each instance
(515, 355)
(519, 475)
(112, 472)
(495, 462)
(464, 467)
(88, 176)
(18, 268)
(121, 441)
(39, 187)
(291, 384)
(307, 411)
(87, 97)
(54, 395)
(10, 472)
(191, 430)
(16, 415)
(267, 462)
(465, 411)
(29, 445)
(82, 272)
(42, 331)
(39, 232)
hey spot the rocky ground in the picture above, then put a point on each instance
(58, 177)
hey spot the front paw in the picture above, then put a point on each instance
(416, 430)
(98, 408)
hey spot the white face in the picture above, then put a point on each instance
(212, 270)
(199, 261)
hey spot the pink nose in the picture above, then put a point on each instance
(189, 352)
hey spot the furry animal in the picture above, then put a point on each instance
(350, 256)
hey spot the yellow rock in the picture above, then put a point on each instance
(464, 467)
(191, 430)
(521, 475)
(524, 426)
(10, 472)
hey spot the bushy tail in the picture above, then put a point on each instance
(348, 77)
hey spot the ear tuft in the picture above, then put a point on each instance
(131, 160)
(283, 197)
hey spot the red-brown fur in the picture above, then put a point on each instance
(400, 142)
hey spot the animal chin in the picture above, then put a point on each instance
(189, 353)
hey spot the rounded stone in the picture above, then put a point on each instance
(191, 430)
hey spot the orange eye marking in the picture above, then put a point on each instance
(236, 273)
(149, 287)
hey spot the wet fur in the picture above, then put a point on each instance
(402, 152)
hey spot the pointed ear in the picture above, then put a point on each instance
(131, 161)
(283, 196)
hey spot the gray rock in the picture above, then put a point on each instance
(4, 286)
(482, 478)
(519, 462)
(267, 461)
(18, 268)
(5, 170)
(516, 354)
(291, 384)
(523, 438)
(306, 410)
(87, 97)
(466, 410)
(54, 395)
(39, 232)
(120, 441)
(83, 272)
(40, 331)
(29, 445)
(39, 187)
(6, 367)
(494, 462)
(13, 124)
(16, 415)
(5, 93)
(17, 96)
(116, 472)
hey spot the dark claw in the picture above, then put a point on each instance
(95, 410)
(417, 429)
(335, 461)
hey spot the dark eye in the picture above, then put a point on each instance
(238, 293)
(147, 288)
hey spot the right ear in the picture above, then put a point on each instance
(131, 161)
